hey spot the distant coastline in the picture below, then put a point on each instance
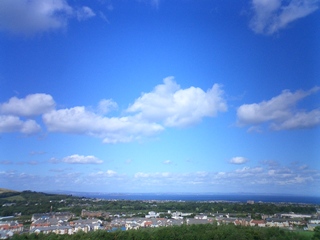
(241, 197)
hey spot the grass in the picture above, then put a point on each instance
(15, 198)
(4, 190)
(307, 234)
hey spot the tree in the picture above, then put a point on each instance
(316, 235)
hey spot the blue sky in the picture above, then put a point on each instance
(160, 96)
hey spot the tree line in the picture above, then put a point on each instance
(183, 232)
(28, 203)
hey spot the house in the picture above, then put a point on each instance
(152, 214)
(176, 215)
(94, 214)
(201, 216)
(5, 234)
(132, 225)
(293, 215)
(316, 221)
(259, 223)
(277, 222)
(242, 222)
(311, 226)
(13, 226)
(57, 215)
(191, 221)
(8, 204)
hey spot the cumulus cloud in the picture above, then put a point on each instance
(272, 15)
(280, 112)
(167, 105)
(23, 16)
(176, 107)
(80, 159)
(31, 105)
(79, 120)
(33, 16)
(15, 124)
(238, 160)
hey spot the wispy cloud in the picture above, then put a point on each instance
(270, 16)
(80, 159)
(238, 160)
(109, 173)
(256, 178)
(6, 162)
(37, 153)
(259, 176)
(84, 13)
(280, 112)
(167, 162)
(107, 105)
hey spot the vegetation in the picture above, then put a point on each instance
(316, 235)
(185, 232)
(28, 203)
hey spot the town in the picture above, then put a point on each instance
(113, 215)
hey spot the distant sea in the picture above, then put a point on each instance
(202, 197)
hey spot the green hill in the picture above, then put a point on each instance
(4, 190)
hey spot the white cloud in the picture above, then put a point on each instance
(31, 105)
(238, 160)
(167, 162)
(273, 177)
(300, 120)
(166, 106)
(280, 111)
(272, 15)
(85, 13)
(176, 107)
(108, 173)
(78, 120)
(80, 159)
(33, 16)
(258, 176)
(107, 105)
(15, 124)
(30, 16)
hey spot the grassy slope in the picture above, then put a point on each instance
(4, 190)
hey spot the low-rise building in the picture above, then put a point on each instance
(13, 226)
